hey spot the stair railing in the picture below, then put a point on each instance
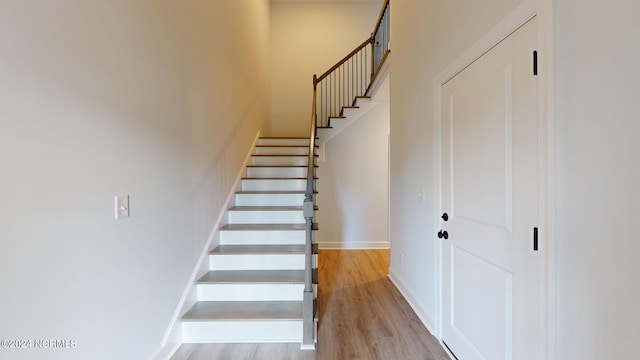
(338, 88)
(308, 303)
(381, 40)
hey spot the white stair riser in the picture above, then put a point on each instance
(269, 199)
(256, 262)
(279, 160)
(274, 185)
(347, 112)
(242, 331)
(284, 150)
(277, 172)
(265, 217)
(250, 237)
(324, 133)
(281, 141)
(338, 125)
(250, 292)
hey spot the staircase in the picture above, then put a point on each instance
(261, 280)
(254, 290)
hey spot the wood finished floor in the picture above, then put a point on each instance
(362, 316)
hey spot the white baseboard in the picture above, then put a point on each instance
(426, 319)
(354, 246)
(173, 336)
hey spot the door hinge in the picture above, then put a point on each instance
(535, 62)
(535, 239)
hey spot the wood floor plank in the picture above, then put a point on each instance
(362, 316)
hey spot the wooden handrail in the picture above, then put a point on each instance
(377, 72)
(370, 40)
(344, 60)
(384, 8)
(312, 139)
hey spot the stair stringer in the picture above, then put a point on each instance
(173, 334)
(377, 92)
(338, 125)
(356, 157)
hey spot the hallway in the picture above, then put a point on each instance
(362, 316)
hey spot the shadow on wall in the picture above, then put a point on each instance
(210, 192)
(354, 183)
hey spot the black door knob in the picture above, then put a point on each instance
(445, 216)
(441, 234)
(445, 234)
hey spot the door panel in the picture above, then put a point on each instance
(489, 189)
(490, 287)
(481, 149)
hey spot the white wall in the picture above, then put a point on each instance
(353, 182)
(598, 92)
(308, 38)
(159, 100)
(598, 171)
(426, 36)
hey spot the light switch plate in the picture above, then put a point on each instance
(122, 206)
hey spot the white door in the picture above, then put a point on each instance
(490, 193)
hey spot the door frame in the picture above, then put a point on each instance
(527, 10)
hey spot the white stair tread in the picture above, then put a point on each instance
(266, 208)
(244, 310)
(252, 277)
(275, 138)
(282, 137)
(284, 145)
(263, 227)
(269, 192)
(258, 249)
(277, 178)
(279, 166)
(281, 155)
